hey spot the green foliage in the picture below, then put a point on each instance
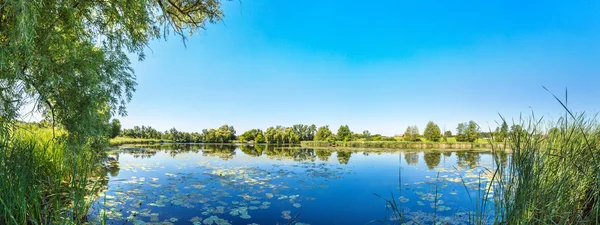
(467, 132)
(70, 58)
(251, 135)
(501, 132)
(305, 132)
(127, 140)
(324, 134)
(447, 134)
(398, 144)
(281, 135)
(224, 134)
(115, 128)
(259, 138)
(432, 132)
(344, 133)
(366, 135)
(42, 176)
(145, 132)
(551, 179)
(412, 134)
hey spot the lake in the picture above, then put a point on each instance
(243, 184)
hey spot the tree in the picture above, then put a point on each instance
(407, 134)
(411, 133)
(432, 132)
(461, 132)
(467, 132)
(344, 133)
(472, 131)
(312, 129)
(250, 135)
(115, 128)
(366, 135)
(70, 56)
(323, 134)
(415, 133)
(259, 138)
(447, 134)
(501, 132)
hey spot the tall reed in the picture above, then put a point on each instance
(43, 179)
(554, 174)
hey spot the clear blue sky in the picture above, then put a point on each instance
(376, 65)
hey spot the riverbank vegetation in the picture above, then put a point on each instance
(69, 61)
(403, 144)
(554, 174)
(126, 140)
(551, 177)
(310, 135)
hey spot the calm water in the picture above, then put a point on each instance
(211, 184)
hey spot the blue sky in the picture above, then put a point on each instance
(375, 65)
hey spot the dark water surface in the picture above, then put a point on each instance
(212, 184)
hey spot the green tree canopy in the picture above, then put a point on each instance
(344, 133)
(366, 135)
(448, 133)
(501, 132)
(412, 133)
(251, 135)
(323, 134)
(115, 128)
(468, 132)
(259, 138)
(70, 56)
(432, 132)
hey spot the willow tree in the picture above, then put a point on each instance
(68, 59)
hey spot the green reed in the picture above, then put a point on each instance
(551, 177)
(554, 174)
(43, 179)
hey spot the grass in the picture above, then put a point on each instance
(551, 177)
(128, 140)
(44, 180)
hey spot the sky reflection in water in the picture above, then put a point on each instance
(212, 184)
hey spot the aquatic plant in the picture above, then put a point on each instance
(553, 176)
(44, 179)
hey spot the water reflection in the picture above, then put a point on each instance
(411, 158)
(432, 159)
(468, 159)
(260, 184)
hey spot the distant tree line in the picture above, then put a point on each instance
(223, 134)
(465, 132)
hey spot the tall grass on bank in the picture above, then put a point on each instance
(552, 177)
(554, 174)
(44, 180)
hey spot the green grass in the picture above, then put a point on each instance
(128, 140)
(552, 178)
(43, 180)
